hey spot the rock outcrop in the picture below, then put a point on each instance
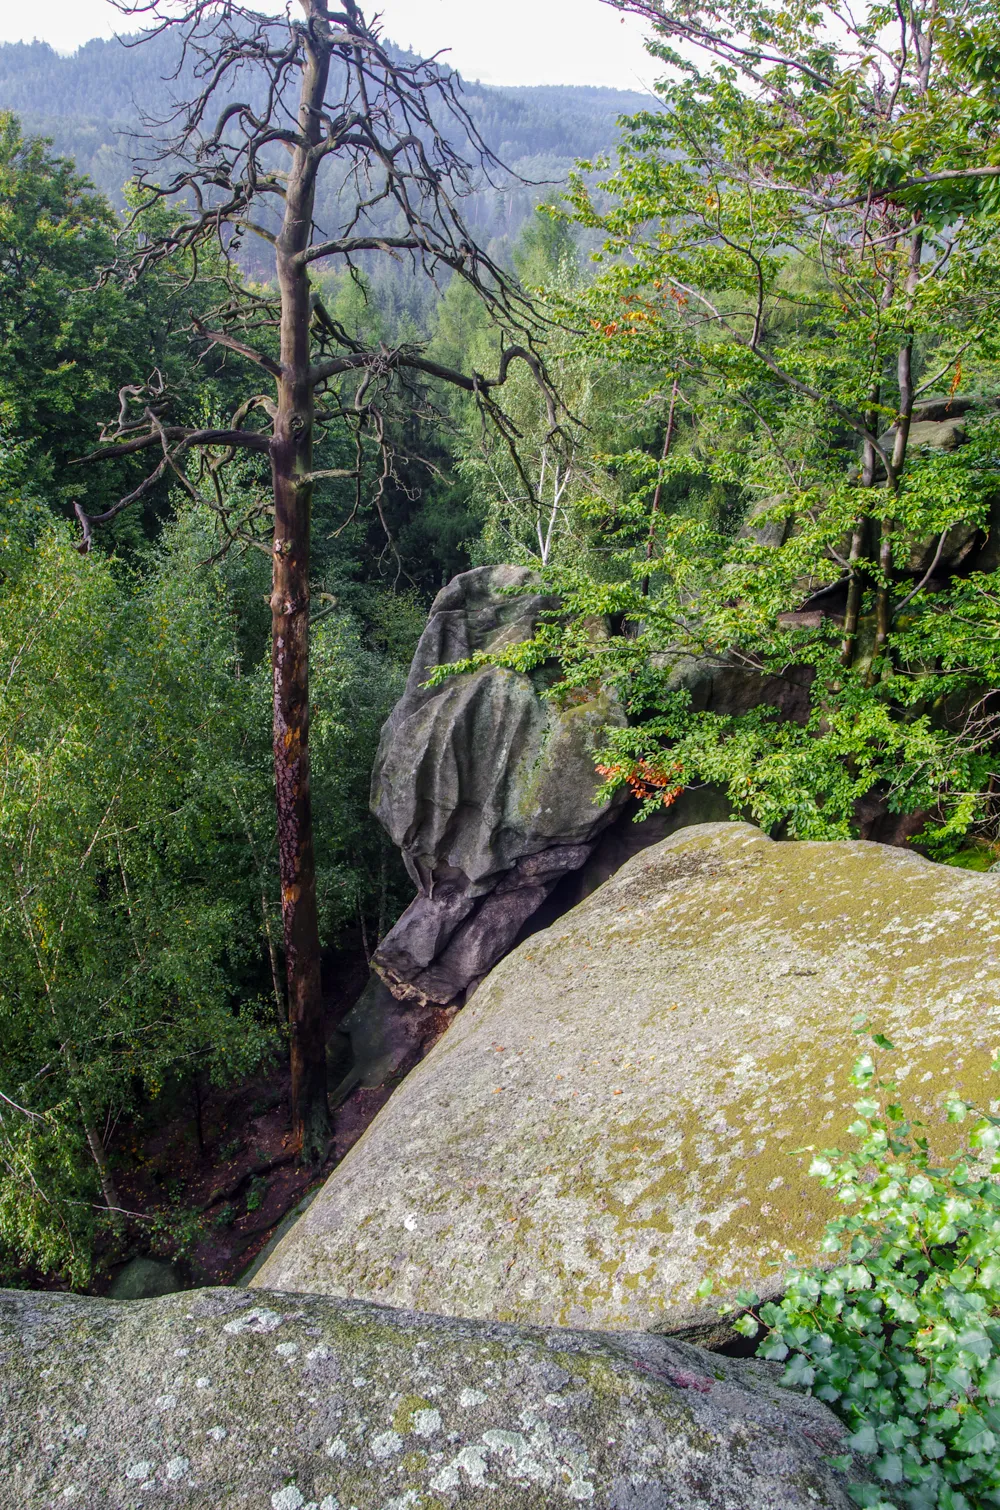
(939, 424)
(613, 1116)
(486, 787)
(216, 1400)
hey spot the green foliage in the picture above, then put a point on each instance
(535, 490)
(137, 852)
(900, 1334)
(753, 267)
(256, 1194)
(68, 338)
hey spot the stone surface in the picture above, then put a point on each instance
(764, 525)
(142, 1278)
(613, 1115)
(386, 1036)
(487, 788)
(717, 684)
(216, 1400)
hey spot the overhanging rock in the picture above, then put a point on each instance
(486, 786)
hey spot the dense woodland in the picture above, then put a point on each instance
(733, 390)
(143, 909)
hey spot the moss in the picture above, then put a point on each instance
(977, 855)
(407, 1408)
(676, 1036)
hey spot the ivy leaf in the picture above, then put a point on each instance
(889, 1468)
(799, 1373)
(863, 1440)
(973, 1436)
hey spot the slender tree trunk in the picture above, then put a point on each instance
(280, 1011)
(859, 542)
(95, 1143)
(291, 464)
(658, 492)
(904, 363)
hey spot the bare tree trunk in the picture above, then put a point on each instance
(95, 1143)
(280, 1010)
(859, 542)
(291, 465)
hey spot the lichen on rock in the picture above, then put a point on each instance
(615, 1113)
(318, 1404)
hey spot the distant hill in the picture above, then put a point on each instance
(90, 104)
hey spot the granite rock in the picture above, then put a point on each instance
(219, 1400)
(487, 787)
(614, 1115)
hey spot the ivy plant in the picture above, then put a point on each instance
(901, 1334)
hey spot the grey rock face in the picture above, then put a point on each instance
(487, 789)
(218, 1400)
(614, 1114)
(143, 1278)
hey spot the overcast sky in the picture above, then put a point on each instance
(498, 41)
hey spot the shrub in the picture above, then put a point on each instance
(901, 1337)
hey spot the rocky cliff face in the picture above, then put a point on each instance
(216, 1400)
(486, 787)
(613, 1116)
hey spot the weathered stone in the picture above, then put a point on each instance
(142, 1278)
(216, 1400)
(946, 406)
(486, 787)
(386, 1037)
(944, 557)
(766, 525)
(613, 1116)
(720, 684)
(941, 435)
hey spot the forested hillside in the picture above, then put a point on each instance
(90, 102)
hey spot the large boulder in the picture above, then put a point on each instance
(615, 1114)
(214, 1400)
(487, 787)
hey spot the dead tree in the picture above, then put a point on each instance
(276, 101)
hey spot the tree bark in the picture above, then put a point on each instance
(95, 1143)
(291, 465)
(859, 540)
(658, 493)
(904, 362)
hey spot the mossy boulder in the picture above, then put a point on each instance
(615, 1114)
(142, 1278)
(219, 1400)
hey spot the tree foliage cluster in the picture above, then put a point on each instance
(141, 921)
(799, 279)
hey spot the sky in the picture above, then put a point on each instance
(497, 41)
